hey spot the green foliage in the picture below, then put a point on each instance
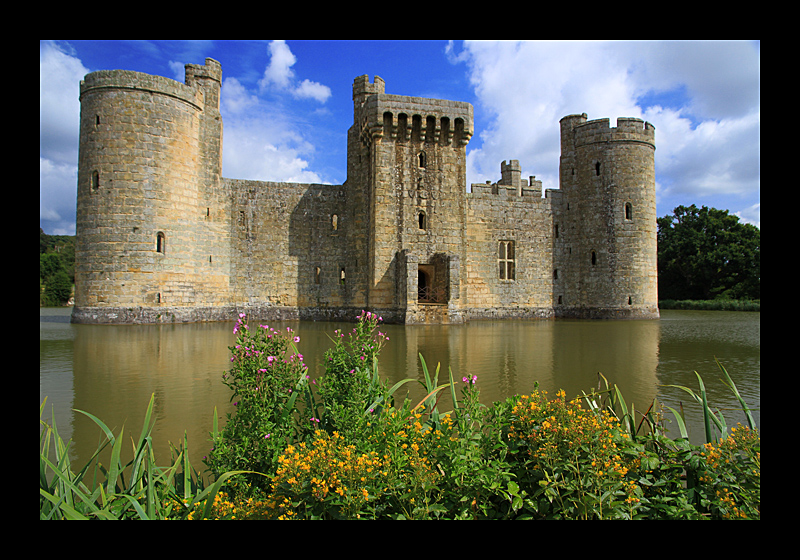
(711, 305)
(56, 268)
(348, 451)
(58, 289)
(351, 391)
(136, 490)
(705, 253)
(270, 382)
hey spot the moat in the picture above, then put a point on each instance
(111, 371)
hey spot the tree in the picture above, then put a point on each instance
(58, 289)
(49, 264)
(707, 253)
(56, 268)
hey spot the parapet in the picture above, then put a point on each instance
(394, 117)
(628, 129)
(139, 81)
(212, 70)
(510, 173)
(362, 86)
(511, 184)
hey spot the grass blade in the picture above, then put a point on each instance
(144, 440)
(706, 410)
(681, 423)
(115, 466)
(729, 382)
(68, 511)
(211, 492)
(187, 475)
(453, 390)
(429, 396)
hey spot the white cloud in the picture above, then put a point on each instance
(59, 119)
(256, 151)
(717, 157)
(312, 90)
(707, 136)
(262, 142)
(279, 74)
(279, 71)
(235, 98)
(178, 70)
(57, 196)
(751, 215)
(265, 140)
(59, 113)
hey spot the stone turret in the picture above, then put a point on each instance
(608, 257)
(149, 161)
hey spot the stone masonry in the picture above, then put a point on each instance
(163, 237)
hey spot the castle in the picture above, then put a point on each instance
(163, 237)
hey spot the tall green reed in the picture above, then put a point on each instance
(138, 489)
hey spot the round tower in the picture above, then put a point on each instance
(143, 168)
(608, 219)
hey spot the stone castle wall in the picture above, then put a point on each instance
(162, 237)
(515, 215)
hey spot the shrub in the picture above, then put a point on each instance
(572, 460)
(731, 475)
(267, 377)
(351, 390)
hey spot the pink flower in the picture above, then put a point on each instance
(297, 339)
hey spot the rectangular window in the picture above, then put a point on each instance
(506, 261)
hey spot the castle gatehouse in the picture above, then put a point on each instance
(163, 237)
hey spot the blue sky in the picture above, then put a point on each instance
(287, 105)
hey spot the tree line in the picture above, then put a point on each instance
(56, 268)
(708, 254)
(703, 254)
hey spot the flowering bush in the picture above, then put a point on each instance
(573, 460)
(267, 377)
(227, 506)
(351, 390)
(731, 475)
(347, 451)
(330, 478)
(326, 479)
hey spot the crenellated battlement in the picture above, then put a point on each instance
(403, 118)
(577, 131)
(211, 70)
(362, 86)
(138, 81)
(511, 184)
